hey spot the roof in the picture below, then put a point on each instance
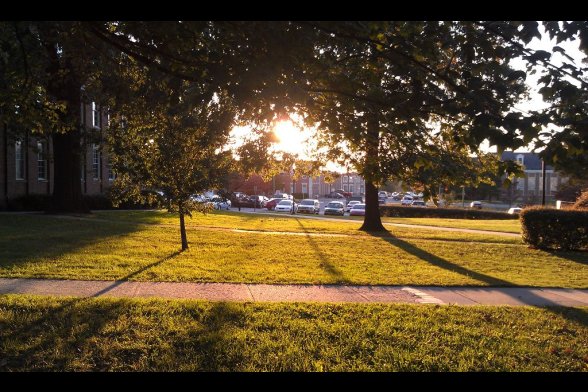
(531, 160)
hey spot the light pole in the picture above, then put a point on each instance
(543, 181)
(462, 196)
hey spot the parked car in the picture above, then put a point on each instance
(406, 200)
(344, 193)
(515, 210)
(311, 206)
(357, 210)
(258, 201)
(286, 206)
(360, 199)
(351, 204)
(418, 203)
(271, 204)
(219, 203)
(335, 195)
(283, 196)
(383, 194)
(476, 204)
(335, 208)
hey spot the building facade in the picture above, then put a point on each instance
(26, 161)
(306, 186)
(529, 189)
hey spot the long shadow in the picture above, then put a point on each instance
(325, 264)
(580, 257)
(579, 316)
(27, 238)
(137, 272)
(60, 333)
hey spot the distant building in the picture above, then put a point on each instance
(528, 190)
(26, 161)
(305, 185)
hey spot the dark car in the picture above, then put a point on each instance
(257, 201)
(335, 208)
(335, 195)
(344, 193)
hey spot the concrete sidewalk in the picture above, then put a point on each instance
(515, 296)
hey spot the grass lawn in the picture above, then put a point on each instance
(114, 245)
(508, 226)
(48, 334)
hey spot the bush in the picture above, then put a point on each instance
(449, 213)
(32, 202)
(547, 228)
(582, 202)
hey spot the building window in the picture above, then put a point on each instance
(41, 161)
(96, 161)
(95, 115)
(521, 159)
(19, 156)
(345, 188)
(351, 188)
(304, 188)
(111, 173)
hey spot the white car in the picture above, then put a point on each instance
(351, 204)
(286, 206)
(406, 201)
(514, 210)
(218, 203)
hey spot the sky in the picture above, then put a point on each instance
(293, 139)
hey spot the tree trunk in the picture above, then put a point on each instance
(67, 190)
(372, 220)
(64, 85)
(183, 231)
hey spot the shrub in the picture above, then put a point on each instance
(582, 201)
(32, 202)
(547, 228)
(449, 213)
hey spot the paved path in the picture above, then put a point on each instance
(299, 293)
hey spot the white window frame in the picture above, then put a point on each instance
(19, 160)
(41, 160)
(111, 173)
(96, 161)
(95, 115)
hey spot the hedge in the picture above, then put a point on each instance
(42, 202)
(449, 213)
(548, 228)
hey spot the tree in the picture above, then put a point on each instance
(169, 141)
(382, 91)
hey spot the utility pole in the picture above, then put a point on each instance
(543, 181)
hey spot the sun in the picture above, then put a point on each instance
(290, 139)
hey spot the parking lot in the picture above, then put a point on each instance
(323, 203)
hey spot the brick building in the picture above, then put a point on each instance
(305, 185)
(26, 164)
(529, 189)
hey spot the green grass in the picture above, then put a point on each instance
(40, 246)
(48, 334)
(507, 226)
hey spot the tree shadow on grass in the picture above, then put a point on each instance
(325, 264)
(580, 257)
(63, 331)
(135, 273)
(27, 238)
(579, 316)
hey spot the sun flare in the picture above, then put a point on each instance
(290, 139)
